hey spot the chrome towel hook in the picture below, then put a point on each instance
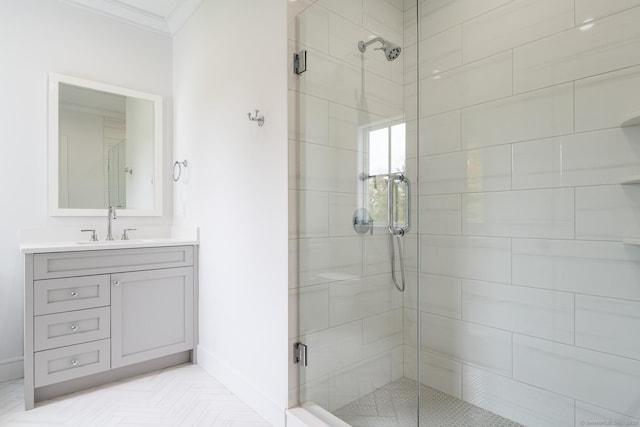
(179, 165)
(257, 118)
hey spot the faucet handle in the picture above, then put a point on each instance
(125, 236)
(94, 237)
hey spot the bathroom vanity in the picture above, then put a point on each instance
(100, 312)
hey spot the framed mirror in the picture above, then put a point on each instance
(105, 149)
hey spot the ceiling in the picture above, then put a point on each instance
(160, 15)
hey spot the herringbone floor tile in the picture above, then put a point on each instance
(181, 396)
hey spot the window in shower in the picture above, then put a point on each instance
(386, 154)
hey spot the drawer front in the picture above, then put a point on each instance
(67, 363)
(74, 327)
(82, 263)
(74, 293)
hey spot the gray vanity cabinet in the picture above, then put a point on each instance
(150, 314)
(94, 316)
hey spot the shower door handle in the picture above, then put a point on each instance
(393, 179)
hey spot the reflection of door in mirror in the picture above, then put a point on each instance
(117, 163)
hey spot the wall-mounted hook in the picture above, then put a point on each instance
(128, 170)
(257, 118)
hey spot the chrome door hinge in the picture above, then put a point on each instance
(300, 353)
(300, 62)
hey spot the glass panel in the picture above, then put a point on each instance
(355, 285)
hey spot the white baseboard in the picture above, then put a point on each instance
(239, 385)
(11, 369)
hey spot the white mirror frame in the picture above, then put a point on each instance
(53, 156)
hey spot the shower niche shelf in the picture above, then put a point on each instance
(631, 241)
(628, 180)
(632, 119)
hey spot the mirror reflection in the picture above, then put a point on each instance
(107, 149)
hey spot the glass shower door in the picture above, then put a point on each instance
(353, 148)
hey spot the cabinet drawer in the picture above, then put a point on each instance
(74, 327)
(74, 293)
(66, 264)
(66, 363)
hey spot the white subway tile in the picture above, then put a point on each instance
(487, 169)
(308, 118)
(384, 20)
(593, 9)
(311, 28)
(608, 325)
(470, 84)
(375, 256)
(441, 214)
(467, 342)
(332, 80)
(607, 100)
(590, 376)
(441, 295)
(480, 258)
(355, 381)
(312, 307)
(440, 133)
(329, 260)
(345, 126)
(527, 213)
(325, 168)
(359, 298)
(315, 390)
(590, 158)
(382, 332)
(441, 373)
(516, 401)
(515, 24)
(538, 114)
(592, 415)
(312, 214)
(351, 10)
(596, 268)
(343, 45)
(607, 212)
(441, 52)
(333, 349)
(438, 15)
(341, 209)
(536, 312)
(382, 97)
(608, 44)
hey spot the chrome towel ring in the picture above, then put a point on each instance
(179, 168)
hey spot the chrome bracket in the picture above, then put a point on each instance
(300, 62)
(300, 353)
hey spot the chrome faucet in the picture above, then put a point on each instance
(110, 215)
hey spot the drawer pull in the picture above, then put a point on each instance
(73, 294)
(74, 362)
(74, 328)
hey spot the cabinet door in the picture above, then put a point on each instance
(151, 314)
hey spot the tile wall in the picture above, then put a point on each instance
(529, 301)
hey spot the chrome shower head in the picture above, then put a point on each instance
(391, 50)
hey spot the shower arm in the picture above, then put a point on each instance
(363, 45)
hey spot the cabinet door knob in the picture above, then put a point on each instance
(74, 328)
(74, 362)
(73, 294)
(116, 283)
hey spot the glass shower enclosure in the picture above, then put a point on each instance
(462, 250)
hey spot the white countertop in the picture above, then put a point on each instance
(69, 240)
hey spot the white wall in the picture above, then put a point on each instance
(38, 37)
(139, 149)
(230, 59)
